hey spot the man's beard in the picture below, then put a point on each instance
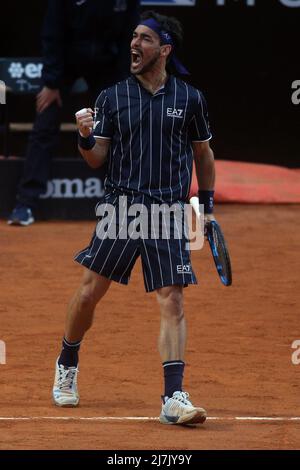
(147, 67)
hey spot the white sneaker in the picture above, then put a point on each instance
(65, 391)
(179, 410)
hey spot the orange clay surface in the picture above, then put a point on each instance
(239, 342)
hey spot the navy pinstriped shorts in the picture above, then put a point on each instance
(165, 262)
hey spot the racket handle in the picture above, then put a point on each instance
(194, 201)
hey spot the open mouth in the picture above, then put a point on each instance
(136, 57)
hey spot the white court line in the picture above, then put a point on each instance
(143, 418)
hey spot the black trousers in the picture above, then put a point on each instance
(43, 140)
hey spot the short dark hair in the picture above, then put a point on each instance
(169, 24)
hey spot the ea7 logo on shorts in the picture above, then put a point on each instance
(173, 112)
(184, 269)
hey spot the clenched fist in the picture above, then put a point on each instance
(84, 121)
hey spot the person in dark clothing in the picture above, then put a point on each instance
(80, 38)
(149, 128)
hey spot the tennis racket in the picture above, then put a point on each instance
(219, 251)
(217, 245)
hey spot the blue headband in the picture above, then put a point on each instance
(165, 39)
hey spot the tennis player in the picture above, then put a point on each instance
(149, 128)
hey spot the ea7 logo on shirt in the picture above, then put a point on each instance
(173, 112)
(184, 269)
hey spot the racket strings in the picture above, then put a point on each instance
(220, 254)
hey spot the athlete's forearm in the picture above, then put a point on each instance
(95, 157)
(205, 169)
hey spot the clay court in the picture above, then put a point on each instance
(239, 356)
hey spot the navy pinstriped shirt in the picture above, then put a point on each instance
(151, 136)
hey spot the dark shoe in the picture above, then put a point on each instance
(21, 215)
